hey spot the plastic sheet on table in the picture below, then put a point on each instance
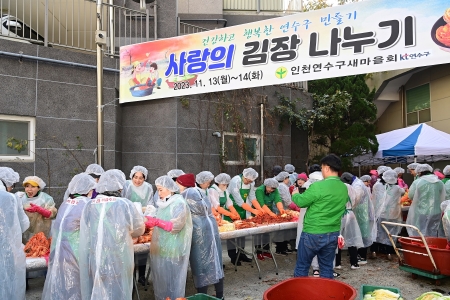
(257, 230)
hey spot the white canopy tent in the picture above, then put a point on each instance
(420, 143)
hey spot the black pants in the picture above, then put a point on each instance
(218, 286)
(281, 246)
(353, 251)
(363, 252)
(232, 251)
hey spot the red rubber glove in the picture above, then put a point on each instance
(151, 222)
(165, 225)
(341, 242)
(294, 206)
(42, 211)
(31, 209)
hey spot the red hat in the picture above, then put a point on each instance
(373, 172)
(186, 180)
(302, 176)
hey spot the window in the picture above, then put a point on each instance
(418, 105)
(241, 149)
(17, 138)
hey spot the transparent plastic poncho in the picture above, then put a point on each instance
(349, 225)
(378, 193)
(169, 251)
(427, 193)
(447, 190)
(389, 210)
(142, 194)
(63, 274)
(364, 211)
(13, 222)
(106, 252)
(283, 189)
(37, 222)
(446, 218)
(206, 250)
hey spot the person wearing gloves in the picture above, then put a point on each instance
(171, 240)
(427, 193)
(447, 175)
(283, 238)
(107, 228)
(242, 193)
(302, 178)
(206, 249)
(445, 207)
(349, 224)
(137, 190)
(292, 174)
(39, 207)
(12, 224)
(325, 200)
(389, 210)
(412, 169)
(220, 199)
(269, 199)
(365, 215)
(400, 181)
(63, 274)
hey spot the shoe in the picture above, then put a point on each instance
(336, 275)
(268, 255)
(362, 261)
(158, 87)
(244, 258)
(338, 267)
(389, 257)
(316, 273)
(354, 267)
(142, 280)
(260, 256)
(289, 251)
(281, 253)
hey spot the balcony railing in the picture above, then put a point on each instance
(72, 23)
(254, 5)
(185, 28)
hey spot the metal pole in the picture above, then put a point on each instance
(155, 17)
(112, 34)
(100, 146)
(46, 24)
(262, 143)
(258, 6)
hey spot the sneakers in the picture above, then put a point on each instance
(288, 251)
(336, 275)
(316, 273)
(244, 258)
(338, 267)
(284, 253)
(268, 255)
(260, 256)
(362, 261)
(354, 267)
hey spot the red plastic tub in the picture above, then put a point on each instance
(437, 248)
(310, 288)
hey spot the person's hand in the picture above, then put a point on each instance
(31, 209)
(257, 212)
(294, 206)
(272, 214)
(235, 217)
(165, 225)
(295, 191)
(40, 210)
(151, 222)
(281, 211)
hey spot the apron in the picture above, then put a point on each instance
(242, 212)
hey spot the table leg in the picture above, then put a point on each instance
(254, 249)
(148, 273)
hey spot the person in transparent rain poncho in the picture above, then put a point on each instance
(12, 224)
(93, 170)
(412, 169)
(171, 241)
(292, 174)
(365, 215)
(390, 210)
(220, 198)
(206, 249)
(349, 224)
(427, 193)
(446, 182)
(39, 207)
(63, 274)
(107, 228)
(445, 208)
(140, 192)
(401, 183)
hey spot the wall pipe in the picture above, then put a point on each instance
(262, 143)
(208, 20)
(100, 143)
(155, 19)
(55, 61)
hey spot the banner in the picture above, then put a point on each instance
(363, 37)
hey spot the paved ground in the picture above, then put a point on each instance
(245, 284)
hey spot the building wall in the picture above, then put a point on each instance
(63, 99)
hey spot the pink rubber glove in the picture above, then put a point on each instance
(42, 211)
(294, 206)
(151, 222)
(31, 209)
(165, 225)
(341, 242)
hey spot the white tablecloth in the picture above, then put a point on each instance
(257, 230)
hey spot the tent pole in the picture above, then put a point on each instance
(359, 170)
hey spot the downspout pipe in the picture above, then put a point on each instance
(54, 61)
(261, 159)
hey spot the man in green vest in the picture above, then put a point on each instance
(242, 194)
(325, 201)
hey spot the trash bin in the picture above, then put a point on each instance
(310, 288)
